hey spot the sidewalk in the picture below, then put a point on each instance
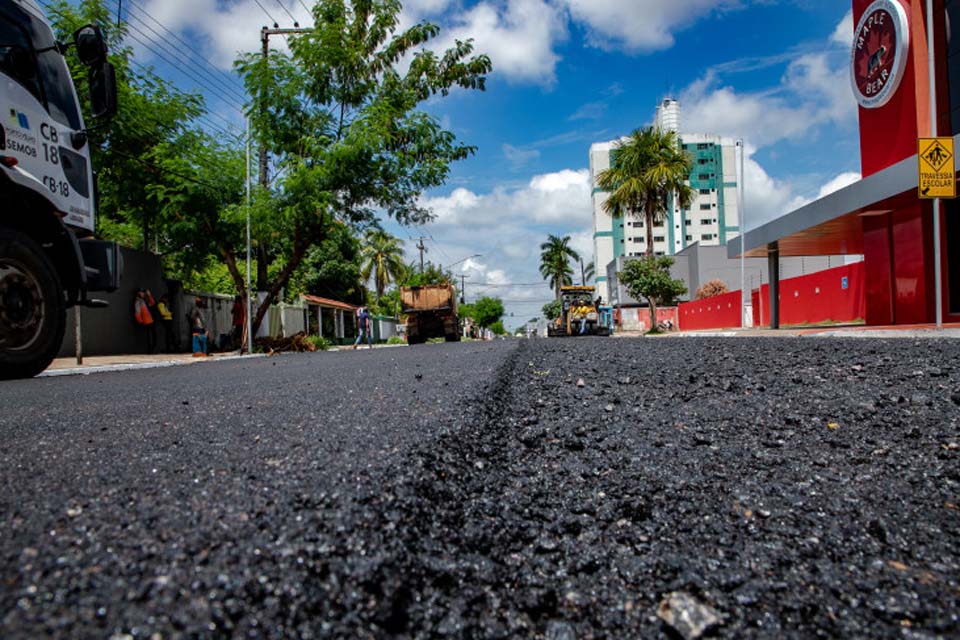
(98, 364)
(951, 331)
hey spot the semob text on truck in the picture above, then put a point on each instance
(49, 260)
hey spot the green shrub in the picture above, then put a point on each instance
(321, 343)
(396, 340)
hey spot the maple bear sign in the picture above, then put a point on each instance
(878, 56)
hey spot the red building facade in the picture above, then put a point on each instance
(883, 217)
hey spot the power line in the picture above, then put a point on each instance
(284, 7)
(167, 49)
(223, 78)
(306, 8)
(264, 9)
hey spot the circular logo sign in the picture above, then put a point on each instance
(878, 57)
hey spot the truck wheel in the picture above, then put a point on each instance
(32, 309)
(452, 337)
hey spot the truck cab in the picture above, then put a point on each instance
(48, 259)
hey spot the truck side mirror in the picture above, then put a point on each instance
(91, 47)
(103, 90)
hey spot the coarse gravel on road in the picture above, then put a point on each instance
(552, 489)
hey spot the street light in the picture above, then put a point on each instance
(476, 255)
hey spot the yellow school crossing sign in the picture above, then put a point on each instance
(936, 174)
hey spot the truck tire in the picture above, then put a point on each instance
(32, 308)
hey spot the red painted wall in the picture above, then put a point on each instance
(877, 262)
(818, 297)
(913, 301)
(718, 312)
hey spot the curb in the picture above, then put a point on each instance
(108, 368)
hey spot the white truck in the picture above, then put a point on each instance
(48, 261)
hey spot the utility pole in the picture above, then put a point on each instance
(583, 275)
(932, 71)
(265, 34)
(422, 249)
(463, 288)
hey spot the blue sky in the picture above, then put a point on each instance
(571, 72)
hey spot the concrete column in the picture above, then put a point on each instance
(320, 321)
(773, 267)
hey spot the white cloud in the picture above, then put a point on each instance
(841, 181)
(519, 158)
(843, 34)
(562, 197)
(224, 30)
(639, 25)
(519, 37)
(813, 91)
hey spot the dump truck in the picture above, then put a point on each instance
(431, 312)
(48, 259)
(579, 314)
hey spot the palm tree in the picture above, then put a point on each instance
(382, 258)
(587, 272)
(644, 170)
(555, 256)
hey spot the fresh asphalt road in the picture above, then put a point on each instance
(550, 489)
(110, 482)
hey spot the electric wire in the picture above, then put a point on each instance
(287, 11)
(224, 78)
(306, 8)
(161, 45)
(264, 9)
(160, 55)
(174, 65)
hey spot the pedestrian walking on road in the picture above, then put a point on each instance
(363, 327)
(198, 329)
(144, 319)
(166, 321)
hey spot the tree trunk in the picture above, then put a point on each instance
(263, 279)
(648, 219)
(653, 314)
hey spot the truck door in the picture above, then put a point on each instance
(41, 118)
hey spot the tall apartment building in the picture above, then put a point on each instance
(711, 219)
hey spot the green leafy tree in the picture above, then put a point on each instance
(342, 121)
(551, 310)
(587, 272)
(485, 311)
(644, 170)
(382, 259)
(555, 256)
(649, 277)
(498, 328)
(431, 274)
(151, 115)
(331, 268)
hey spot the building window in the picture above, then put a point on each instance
(706, 237)
(703, 145)
(659, 253)
(705, 207)
(658, 238)
(689, 238)
(658, 225)
(703, 161)
(688, 222)
(705, 221)
(705, 192)
(703, 176)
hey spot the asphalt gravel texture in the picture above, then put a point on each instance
(556, 489)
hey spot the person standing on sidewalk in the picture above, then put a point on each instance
(166, 321)
(363, 326)
(144, 319)
(198, 329)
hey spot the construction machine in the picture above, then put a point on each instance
(579, 314)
